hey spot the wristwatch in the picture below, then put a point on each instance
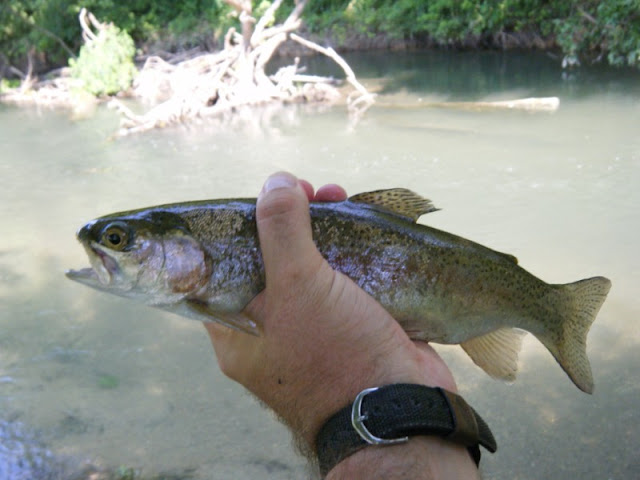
(391, 414)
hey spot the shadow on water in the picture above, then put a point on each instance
(548, 429)
(603, 424)
(83, 378)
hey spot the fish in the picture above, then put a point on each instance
(202, 260)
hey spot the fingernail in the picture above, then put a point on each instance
(279, 180)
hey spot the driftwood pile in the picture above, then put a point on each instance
(221, 83)
(210, 84)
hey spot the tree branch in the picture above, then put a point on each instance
(365, 96)
(296, 12)
(87, 33)
(268, 16)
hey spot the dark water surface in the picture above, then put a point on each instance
(86, 378)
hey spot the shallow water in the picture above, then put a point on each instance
(103, 381)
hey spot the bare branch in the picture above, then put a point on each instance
(296, 12)
(268, 16)
(587, 16)
(87, 33)
(16, 72)
(240, 5)
(94, 21)
(285, 28)
(56, 38)
(244, 9)
(331, 53)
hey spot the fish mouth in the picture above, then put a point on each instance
(103, 267)
(87, 276)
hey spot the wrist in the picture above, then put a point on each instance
(421, 458)
(410, 367)
(393, 414)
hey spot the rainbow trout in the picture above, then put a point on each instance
(202, 260)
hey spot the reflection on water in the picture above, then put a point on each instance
(110, 383)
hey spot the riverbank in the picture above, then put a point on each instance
(57, 88)
(175, 48)
(581, 31)
(187, 84)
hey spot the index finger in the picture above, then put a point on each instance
(330, 193)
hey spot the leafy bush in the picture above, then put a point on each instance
(105, 64)
(6, 85)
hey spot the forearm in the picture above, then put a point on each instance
(422, 458)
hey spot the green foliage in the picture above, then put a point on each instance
(597, 29)
(51, 26)
(449, 21)
(125, 473)
(108, 382)
(105, 64)
(7, 85)
(15, 27)
(590, 29)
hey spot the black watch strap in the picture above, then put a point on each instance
(391, 414)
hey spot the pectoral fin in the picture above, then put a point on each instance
(496, 352)
(203, 312)
(237, 321)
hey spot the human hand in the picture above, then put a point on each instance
(323, 338)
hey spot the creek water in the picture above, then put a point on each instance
(91, 379)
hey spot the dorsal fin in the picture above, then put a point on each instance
(397, 200)
(508, 256)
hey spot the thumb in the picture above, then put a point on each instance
(284, 229)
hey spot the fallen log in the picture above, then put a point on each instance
(532, 104)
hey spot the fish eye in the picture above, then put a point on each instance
(115, 236)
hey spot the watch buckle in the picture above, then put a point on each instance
(357, 420)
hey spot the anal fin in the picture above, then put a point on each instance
(496, 352)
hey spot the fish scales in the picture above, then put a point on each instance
(428, 268)
(202, 260)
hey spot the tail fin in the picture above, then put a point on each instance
(577, 305)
